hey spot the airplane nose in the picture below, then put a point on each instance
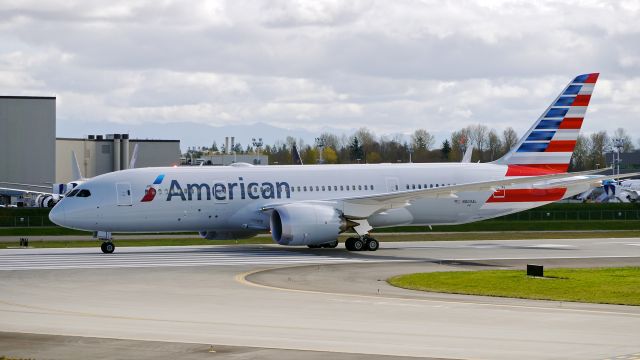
(56, 215)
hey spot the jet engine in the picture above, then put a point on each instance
(306, 224)
(226, 235)
(46, 201)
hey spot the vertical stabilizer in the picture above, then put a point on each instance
(548, 145)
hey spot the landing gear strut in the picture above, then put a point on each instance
(361, 243)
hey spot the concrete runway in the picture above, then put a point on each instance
(258, 301)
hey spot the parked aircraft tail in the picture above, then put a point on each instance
(548, 145)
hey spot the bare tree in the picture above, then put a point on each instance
(598, 143)
(478, 136)
(509, 139)
(422, 139)
(459, 143)
(627, 143)
(494, 145)
(580, 153)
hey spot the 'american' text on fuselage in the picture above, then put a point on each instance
(226, 191)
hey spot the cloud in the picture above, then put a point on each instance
(390, 66)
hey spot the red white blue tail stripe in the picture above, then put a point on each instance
(548, 145)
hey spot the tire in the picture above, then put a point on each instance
(358, 245)
(349, 244)
(332, 244)
(107, 247)
(372, 245)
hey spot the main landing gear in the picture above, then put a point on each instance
(362, 243)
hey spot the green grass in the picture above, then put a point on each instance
(474, 236)
(145, 242)
(599, 285)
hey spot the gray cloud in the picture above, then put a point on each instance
(313, 65)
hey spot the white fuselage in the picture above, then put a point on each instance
(231, 198)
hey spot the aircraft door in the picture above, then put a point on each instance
(123, 191)
(392, 184)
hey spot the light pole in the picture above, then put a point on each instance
(410, 150)
(320, 143)
(258, 145)
(618, 144)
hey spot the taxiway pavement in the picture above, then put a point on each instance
(323, 300)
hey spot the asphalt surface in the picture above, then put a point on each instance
(301, 303)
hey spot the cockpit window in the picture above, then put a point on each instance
(73, 192)
(83, 193)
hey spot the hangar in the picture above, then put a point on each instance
(30, 153)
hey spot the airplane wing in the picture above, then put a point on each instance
(26, 191)
(21, 184)
(366, 205)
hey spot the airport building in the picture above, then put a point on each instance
(100, 154)
(27, 140)
(30, 154)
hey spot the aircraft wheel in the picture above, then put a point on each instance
(349, 244)
(107, 247)
(372, 244)
(331, 245)
(358, 245)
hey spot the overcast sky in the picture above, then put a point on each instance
(392, 66)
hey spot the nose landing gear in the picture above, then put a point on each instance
(107, 246)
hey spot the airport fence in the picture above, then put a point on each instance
(530, 215)
(25, 221)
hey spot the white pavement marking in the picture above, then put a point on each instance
(161, 257)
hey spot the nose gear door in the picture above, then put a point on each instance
(123, 191)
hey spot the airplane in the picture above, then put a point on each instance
(57, 191)
(312, 204)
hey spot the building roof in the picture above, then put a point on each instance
(27, 97)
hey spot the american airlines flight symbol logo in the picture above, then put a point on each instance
(150, 191)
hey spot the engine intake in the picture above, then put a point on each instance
(306, 224)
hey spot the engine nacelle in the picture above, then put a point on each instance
(306, 224)
(46, 201)
(226, 235)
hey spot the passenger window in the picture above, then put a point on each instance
(359, 187)
(372, 187)
(317, 188)
(436, 185)
(305, 188)
(366, 187)
(341, 188)
(323, 189)
(413, 186)
(407, 186)
(335, 187)
(347, 187)
(84, 193)
(310, 188)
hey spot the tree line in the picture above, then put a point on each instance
(365, 147)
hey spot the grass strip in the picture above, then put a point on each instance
(469, 236)
(595, 285)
